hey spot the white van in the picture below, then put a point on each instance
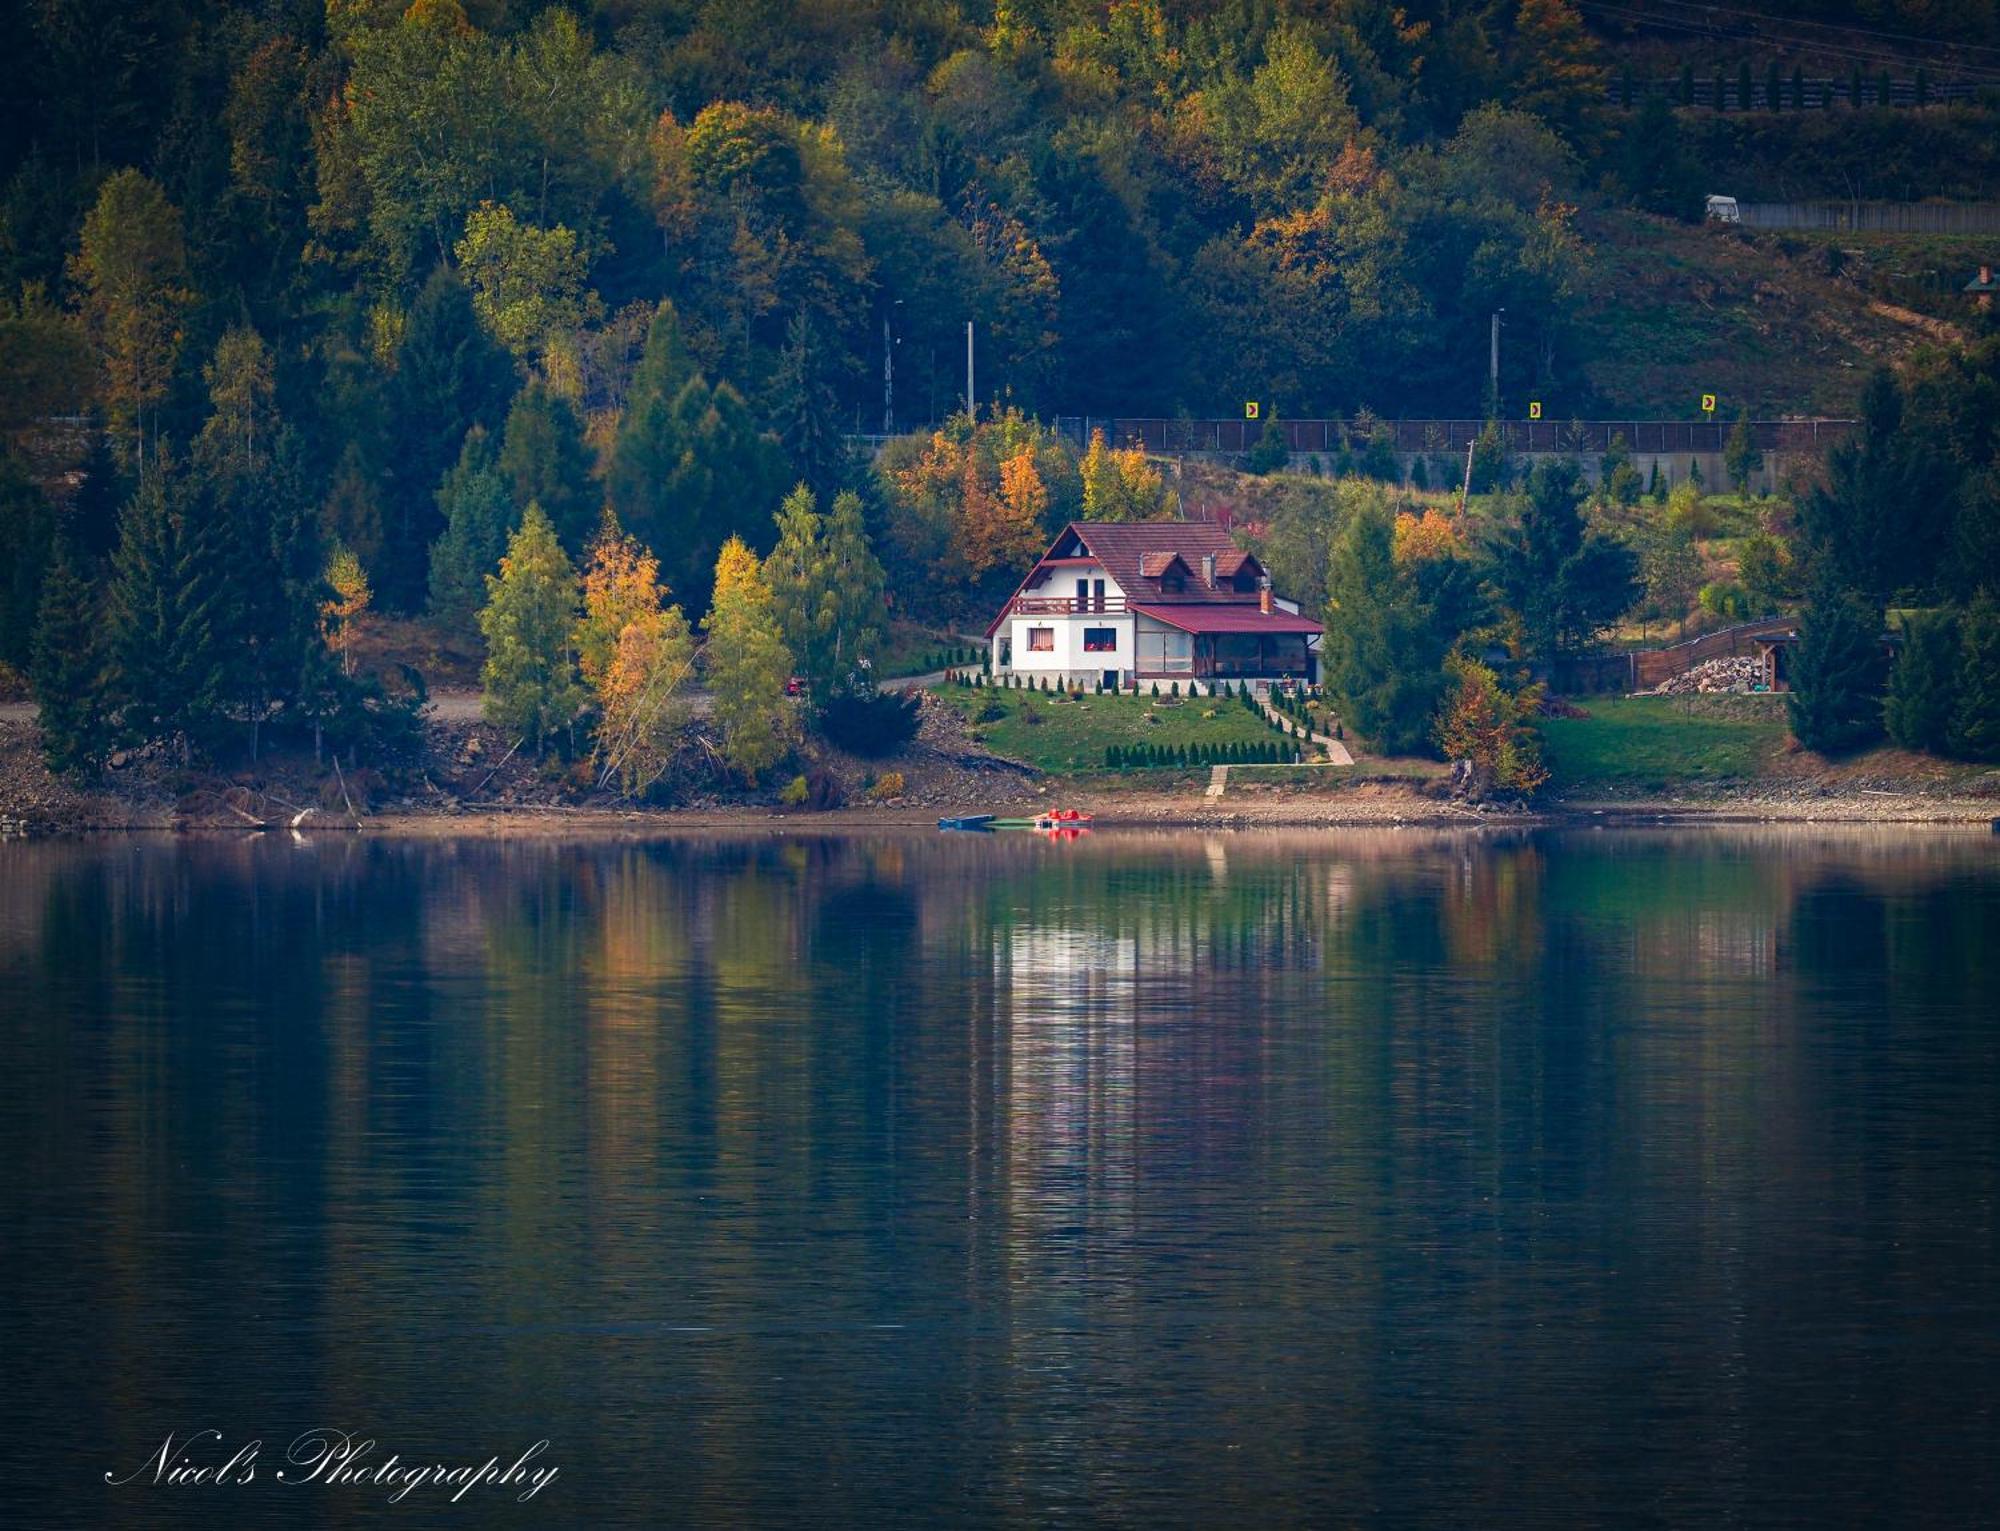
(1723, 210)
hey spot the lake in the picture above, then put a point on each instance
(1621, 1177)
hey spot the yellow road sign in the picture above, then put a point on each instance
(1535, 410)
(1249, 409)
(1708, 403)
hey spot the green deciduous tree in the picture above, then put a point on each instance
(529, 284)
(748, 665)
(131, 271)
(529, 623)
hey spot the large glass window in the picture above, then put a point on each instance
(1100, 640)
(1165, 653)
(1041, 640)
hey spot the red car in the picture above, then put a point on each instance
(795, 687)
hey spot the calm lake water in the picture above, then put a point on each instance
(1615, 1178)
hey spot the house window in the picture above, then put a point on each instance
(1041, 640)
(1167, 652)
(1100, 640)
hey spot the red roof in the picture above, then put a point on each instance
(1136, 554)
(1228, 619)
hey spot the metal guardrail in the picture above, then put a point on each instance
(1332, 435)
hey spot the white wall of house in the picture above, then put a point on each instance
(1066, 653)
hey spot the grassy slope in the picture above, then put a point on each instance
(1660, 741)
(1072, 736)
(1672, 311)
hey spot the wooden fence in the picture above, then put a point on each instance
(1807, 95)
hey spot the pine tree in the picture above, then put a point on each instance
(1837, 672)
(543, 458)
(1923, 683)
(530, 616)
(67, 672)
(478, 517)
(1975, 726)
(747, 664)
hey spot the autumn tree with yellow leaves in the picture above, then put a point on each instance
(635, 653)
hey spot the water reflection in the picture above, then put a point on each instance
(1625, 1177)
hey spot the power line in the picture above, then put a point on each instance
(1976, 73)
(1830, 26)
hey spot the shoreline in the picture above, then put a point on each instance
(1380, 810)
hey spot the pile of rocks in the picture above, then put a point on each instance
(1738, 674)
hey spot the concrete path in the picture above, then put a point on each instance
(1337, 753)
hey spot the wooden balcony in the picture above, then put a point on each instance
(1066, 606)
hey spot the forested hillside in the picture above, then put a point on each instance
(293, 286)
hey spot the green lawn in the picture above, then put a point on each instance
(1661, 741)
(1072, 736)
(908, 649)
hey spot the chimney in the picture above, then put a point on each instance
(1208, 569)
(1264, 596)
(1985, 276)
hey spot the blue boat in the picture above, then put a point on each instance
(967, 821)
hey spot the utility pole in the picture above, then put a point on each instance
(1493, 370)
(888, 378)
(971, 398)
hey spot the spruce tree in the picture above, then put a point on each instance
(1923, 684)
(529, 623)
(67, 671)
(170, 614)
(27, 543)
(478, 517)
(449, 377)
(1975, 727)
(543, 459)
(1837, 672)
(1742, 458)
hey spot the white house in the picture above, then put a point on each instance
(1125, 602)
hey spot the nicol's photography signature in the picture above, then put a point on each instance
(332, 1459)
